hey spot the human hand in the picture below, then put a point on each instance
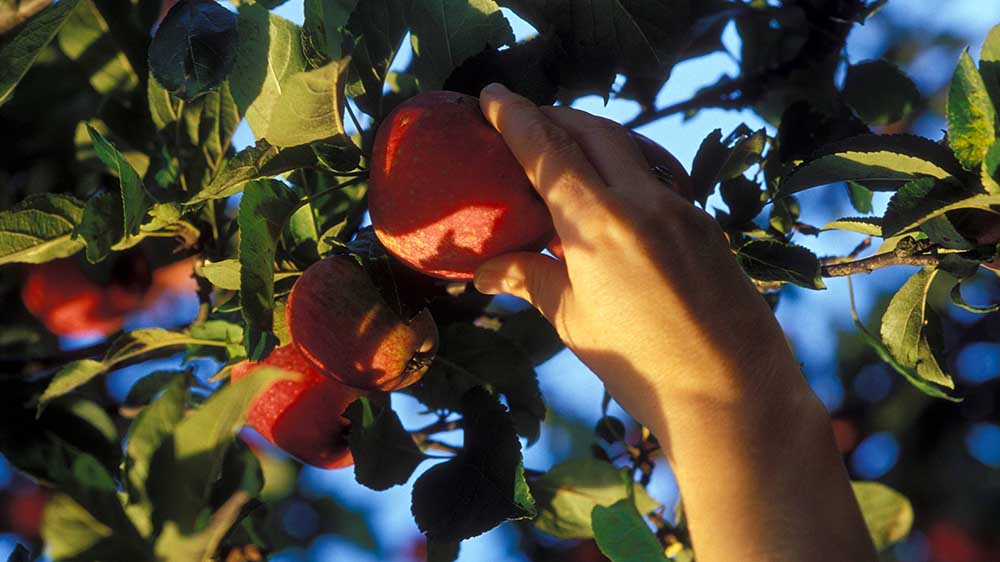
(651, 298)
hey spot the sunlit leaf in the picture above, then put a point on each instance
(971, 116)
(888, 514)
(622, 534)
(19, 52)
(40, 229)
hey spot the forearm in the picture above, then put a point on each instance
(764, 478)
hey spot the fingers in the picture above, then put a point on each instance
(606, 144)
(536, 278)
(555, 164)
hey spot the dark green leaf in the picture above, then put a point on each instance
(990, 171)
(187, 464)
(384, 453)
(971, 115)
(445, 33)
(745, 153)
(146, 388)
(903, 329)
(379, 26)
(886, 158)
(527, 68)
(254, 163)
(958, 300)
(135, 200)
(86, 40)
(989, 65)
(153, 424)
(861, 197)
(880, 92)
(18, 53)
(40, 229)
(610, 429)
(442, 551)
(480, 487)
(622, 534)
(921, 200)
(888, 514)
(772, 260)
(536, 336)
(264, 211)
(270, 54)
(322, 30)
(707, 163)
(568, 493)
(470, 356)
(194, 48)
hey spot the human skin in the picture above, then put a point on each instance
(650, 297)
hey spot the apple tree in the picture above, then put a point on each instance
(117, 162)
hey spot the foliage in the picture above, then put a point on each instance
(139, 153)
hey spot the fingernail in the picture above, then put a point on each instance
(495, 89)
(488, 281)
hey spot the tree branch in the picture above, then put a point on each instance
(869, 264)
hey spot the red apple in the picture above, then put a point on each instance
(446, 192)
(302, 417)
(69, 303)
(341, 324)
(981, 226)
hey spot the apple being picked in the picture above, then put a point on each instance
(446, 193)
(344, 328)
(302, 417)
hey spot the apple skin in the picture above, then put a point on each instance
(69, 303)
(344, 328)
(446, 194)
(302, 417)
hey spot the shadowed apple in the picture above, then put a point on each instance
(981, 226)
(446, 193)
(302, 417)
(346, 330)
(69, 303)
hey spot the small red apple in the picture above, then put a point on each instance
(25, 507)
(981, 226)
(69, 303)
(302, 417)
(446, 193)
(341, 324)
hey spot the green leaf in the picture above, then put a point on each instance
(188, 463)
(18, 53)
(886, 158)
(69, 530)
(879, 92)
(264, 211)
(379, 26)
(164, 107)
(101, 225)
(772, 260)
(469, 356)
(223, 274)
(924, 199)
(442, 551)
(870, 226)
(126, 349)
(603, 37)
(568, 493)
(194, 48)
(744, 154)
(311, 107)
(445, 33)
(989, 65)
(536, 336)
(269, 53)
(135, 200)
(172, 545)
(322, 28)
(384, 453)
(86, 39)
(254, 163)
(218, 120)
(480, 487)
(990, 170)
(971, 116)
(903, 328)
(861, 197)
(153, 424)
(708, 161)
(888, 514)
(40, 229)
(622, 534)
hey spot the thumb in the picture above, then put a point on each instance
(536, 278)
